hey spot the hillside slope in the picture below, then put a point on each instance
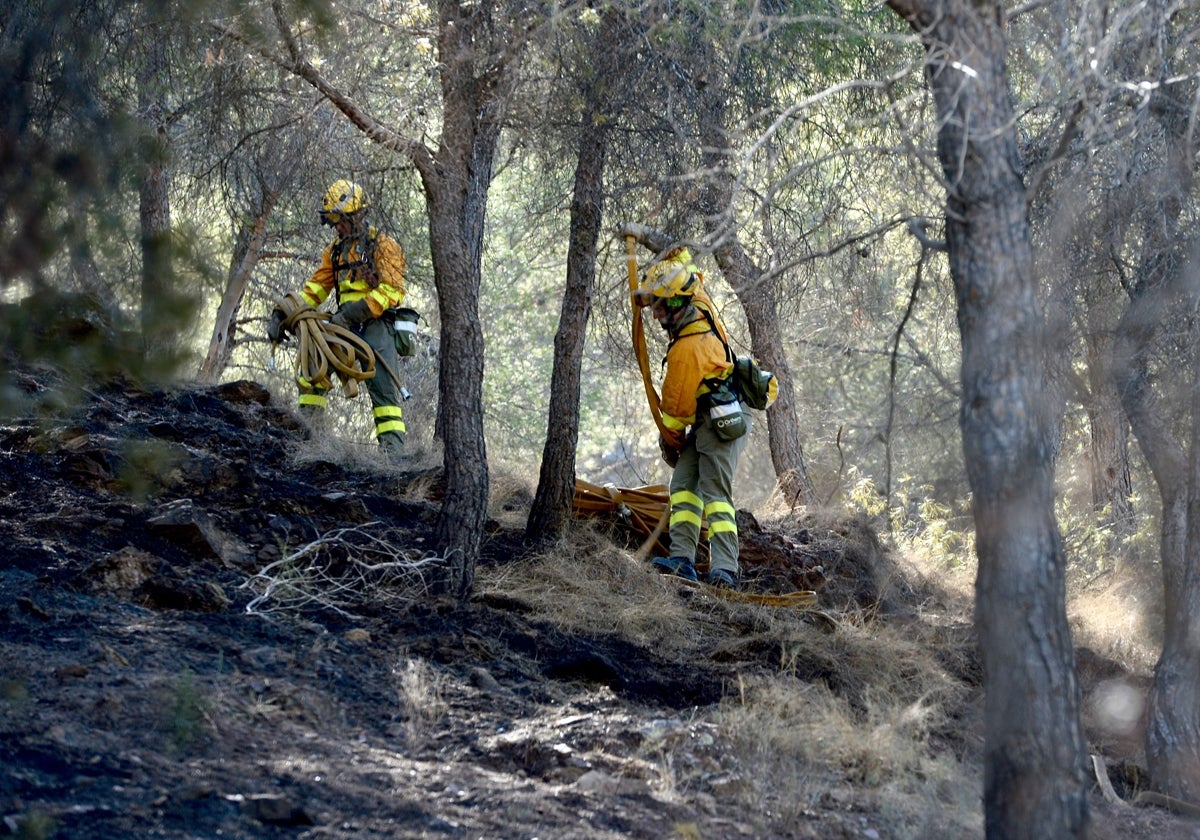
(203, 634)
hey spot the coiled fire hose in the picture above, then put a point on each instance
(326, 349)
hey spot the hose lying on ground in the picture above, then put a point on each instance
(648, 510)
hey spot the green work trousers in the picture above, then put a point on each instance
(702, 489)
(385, 393)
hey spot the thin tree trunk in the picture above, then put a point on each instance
(456, 181)
(1111, 481)
(1165, 279)
(158, 316)
(1034, 784)
(754, 293)
(552, 503)
(246, 254)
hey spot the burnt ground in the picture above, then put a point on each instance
(140, 697)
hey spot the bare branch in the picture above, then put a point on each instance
(297, 65)
(337, 570)
(918, 227)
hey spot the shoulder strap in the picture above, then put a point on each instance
(712, 327)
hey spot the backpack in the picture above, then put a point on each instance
(758, 387)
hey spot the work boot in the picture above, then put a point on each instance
(722, 579)
(677, 566)
(392, 445)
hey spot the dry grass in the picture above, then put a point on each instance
(587, 585)
(807, 746)
(419, 687)
(1121, 621)
(851, 707)
(509, 498)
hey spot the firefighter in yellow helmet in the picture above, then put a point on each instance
(365, 269)
(676, 269)
(705, 424)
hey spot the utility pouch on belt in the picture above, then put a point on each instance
(725, 410)
(405, 330)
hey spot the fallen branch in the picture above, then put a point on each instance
(338, 570)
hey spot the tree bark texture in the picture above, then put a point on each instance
(456, 180)
(756, 295)
(1172, 720)
(552, 504)
(1034, 781)
(1111, 481)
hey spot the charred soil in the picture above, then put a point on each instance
(201, 636)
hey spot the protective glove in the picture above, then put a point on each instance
(352, 314)
(669, 453)
(275, 326)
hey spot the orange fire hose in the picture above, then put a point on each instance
(639, 335)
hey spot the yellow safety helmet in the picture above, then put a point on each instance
(342, 199)
(673, 276)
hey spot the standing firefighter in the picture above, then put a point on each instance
(697, 392)
(365, 268)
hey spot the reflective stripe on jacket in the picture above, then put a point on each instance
(353, 278)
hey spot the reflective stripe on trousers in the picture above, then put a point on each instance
(385, 394)
(702, 488)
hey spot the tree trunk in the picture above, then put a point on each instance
(1111, 482)
(1164, 287)
(158, 316)
(552, 504)
(246, 254)
(766, 343)
(1172, 733)
(1034, 784)
(456, 181)
(755, 293)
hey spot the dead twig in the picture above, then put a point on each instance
(338, 570)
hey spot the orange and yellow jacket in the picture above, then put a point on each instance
(378, 278)
(703, 302)
(696, 353)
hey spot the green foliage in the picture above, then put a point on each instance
(35, 825)
(917, 521)
(185, 712)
